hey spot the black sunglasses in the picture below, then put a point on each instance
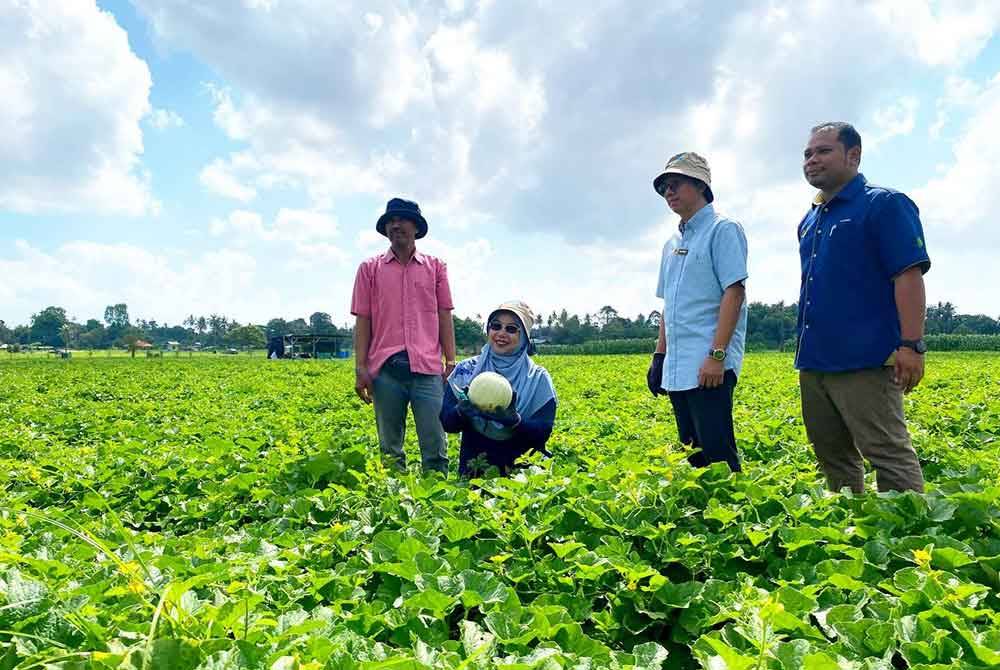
(509, 328)
(672, 184)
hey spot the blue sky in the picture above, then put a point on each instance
(232, 157)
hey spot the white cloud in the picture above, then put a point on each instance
(957, 204)
(374, 22)
(310, 255)
(939, 33)
(303, 238)
(219, 177)
(242, 225)
(301, 225)
(162, 119)
(958, 93)
(530, 121)
(168, 285)
(898, 118)
(74, 95)
(363, 115)
(290, 225)
(521, 125)
(87, 276)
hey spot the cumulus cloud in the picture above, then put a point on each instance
(898, 118)
(241, 224)
(302, 225)
(939, 33)
(57, 57)
(169, 284)
(969, 180)
(544, 125)
(162, 119)
(227, 177)
(959, 93)
(87, 276)
(525, 115)
(290, 225)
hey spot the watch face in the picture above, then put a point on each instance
(719, 355)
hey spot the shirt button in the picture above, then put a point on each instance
(807, 325)
(814, 255)
(826, 209)
(810, 279)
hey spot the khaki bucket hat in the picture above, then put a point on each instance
(688, 164)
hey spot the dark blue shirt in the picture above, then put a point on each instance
(852, 248)
(531, 434)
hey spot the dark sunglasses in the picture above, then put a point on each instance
(672, 184)
(509, 328)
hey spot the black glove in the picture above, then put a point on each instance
(463, 404)
(654, 376)
(506, 417)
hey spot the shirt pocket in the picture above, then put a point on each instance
(425, 295)
(699, 275)
(844, 240)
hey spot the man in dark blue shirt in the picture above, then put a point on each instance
(861, 317)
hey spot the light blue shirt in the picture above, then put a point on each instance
(706, 256)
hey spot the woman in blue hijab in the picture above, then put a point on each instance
(501, 438)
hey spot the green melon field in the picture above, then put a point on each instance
(207, 513)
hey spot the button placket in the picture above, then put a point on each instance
(809, 274)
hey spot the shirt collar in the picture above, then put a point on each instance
(703, 214)
(389, 257)
(851, 189)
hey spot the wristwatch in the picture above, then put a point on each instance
(918, 346)
(718, 354)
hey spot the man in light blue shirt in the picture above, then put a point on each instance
(699, 353)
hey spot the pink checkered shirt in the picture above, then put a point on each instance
(402, 302)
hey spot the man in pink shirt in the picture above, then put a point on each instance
(402, 304)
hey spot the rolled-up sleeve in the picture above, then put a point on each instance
(729, 254)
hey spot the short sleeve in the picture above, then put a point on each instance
(442, 287)
(361, 299)
(899, 235)
(660, 291)
(729, 254)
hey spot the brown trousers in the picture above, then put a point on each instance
(852, 416)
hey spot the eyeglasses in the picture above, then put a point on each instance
(510, 328)
(671, 184)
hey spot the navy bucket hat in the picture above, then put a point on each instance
(404, 209)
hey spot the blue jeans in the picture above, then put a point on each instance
(395, 389)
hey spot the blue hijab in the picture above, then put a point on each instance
(531, 382)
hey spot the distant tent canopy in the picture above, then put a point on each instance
(276, 347)
(142, 344)
(307, 346)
